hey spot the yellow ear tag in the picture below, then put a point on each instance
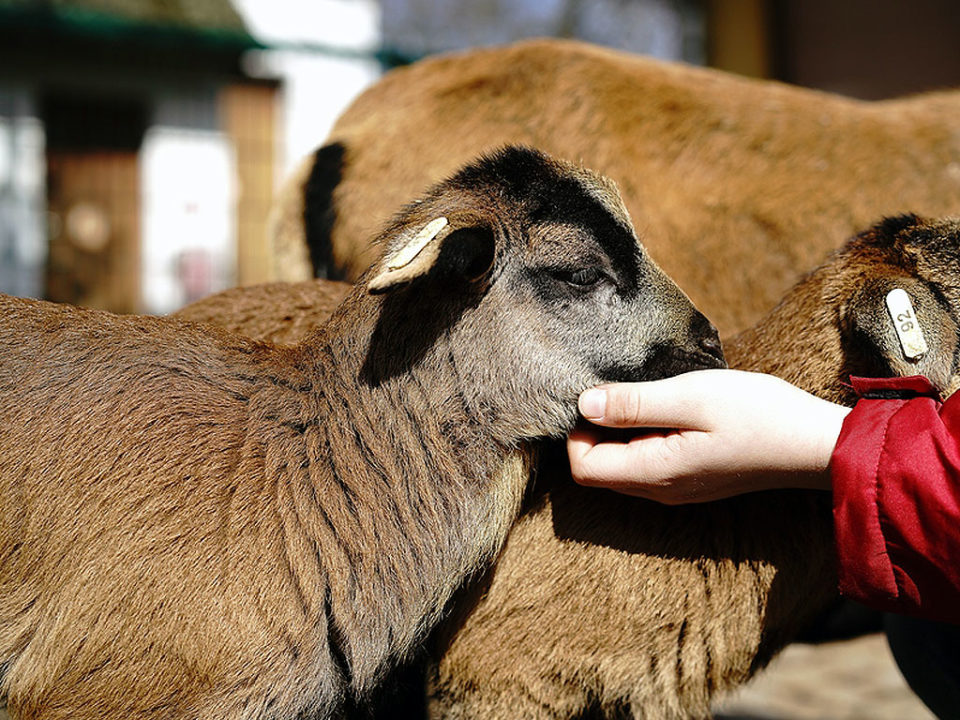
(906, 324)
(409, 251)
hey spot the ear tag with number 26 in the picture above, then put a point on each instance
(905, 323)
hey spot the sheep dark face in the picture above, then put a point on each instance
(534, 263)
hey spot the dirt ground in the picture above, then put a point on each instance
(850, 680)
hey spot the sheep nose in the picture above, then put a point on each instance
(712, 347)
(707, 338)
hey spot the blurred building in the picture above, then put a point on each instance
(667, 29)
(863, 48)
(323, 51)
(136, 154)
(869, 49)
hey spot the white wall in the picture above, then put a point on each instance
(188, 216)
(23, 221)
(323, 56)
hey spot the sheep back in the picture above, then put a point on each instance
(728, 174)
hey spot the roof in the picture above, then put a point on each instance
(213, 24)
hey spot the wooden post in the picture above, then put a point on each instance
(739, 37)
(248, 113)
(94, 256)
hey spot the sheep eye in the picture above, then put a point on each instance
(580, 278)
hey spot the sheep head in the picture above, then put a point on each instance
(920, 257)
(533, 262)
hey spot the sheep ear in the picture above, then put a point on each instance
(905, 330)
(465, 248)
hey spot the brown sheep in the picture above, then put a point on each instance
(197, 525)
(726, 173)
(603, 605)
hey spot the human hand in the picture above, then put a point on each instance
(705, 435)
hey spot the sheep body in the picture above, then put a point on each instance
(727, 173)
(199, 525)
(250, 569)
(607, 606)
(278, 312)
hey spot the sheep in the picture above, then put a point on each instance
(199, 525)
(602, 605)
(727, 173)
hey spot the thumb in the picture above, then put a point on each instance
(674, 402)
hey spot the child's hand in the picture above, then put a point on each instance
(705, 435)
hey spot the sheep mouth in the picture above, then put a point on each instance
(663, 362)
(711, 358)
(669, 361)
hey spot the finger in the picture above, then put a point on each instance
(617, 465)
(674, 402)
(580, 441)
(585, 437)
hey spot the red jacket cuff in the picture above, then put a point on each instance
(863, 566)
(901, 387)
(896, 499)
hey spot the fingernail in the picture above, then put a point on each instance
(592, 403)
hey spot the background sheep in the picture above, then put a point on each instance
(726, 173)
(197, 525)
(604, 605)
(283, 313)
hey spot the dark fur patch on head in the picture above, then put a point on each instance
(546, 191)
(319, 211)
(910, 236)
(889, 237)
(891, 227)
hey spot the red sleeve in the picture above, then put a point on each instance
(896, 499)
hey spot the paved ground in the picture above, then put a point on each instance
(852, 680)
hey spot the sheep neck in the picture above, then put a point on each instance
(402, 490)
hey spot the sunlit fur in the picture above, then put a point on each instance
(738, 185)
(606, 606)
(200, 525)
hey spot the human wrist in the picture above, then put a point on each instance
(817, 476)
